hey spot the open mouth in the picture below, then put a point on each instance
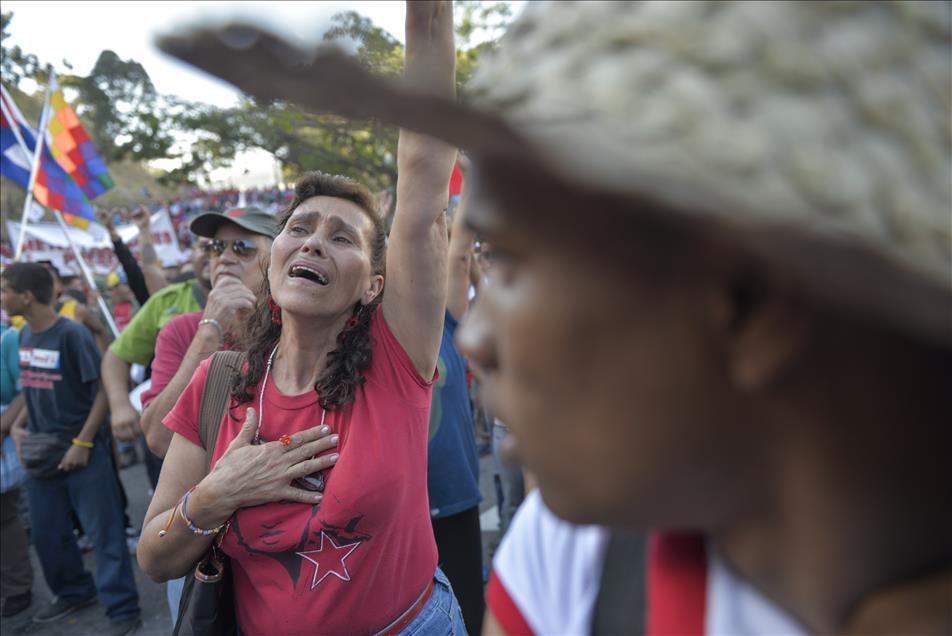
(308, 273)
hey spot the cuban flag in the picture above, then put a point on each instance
(15, 161)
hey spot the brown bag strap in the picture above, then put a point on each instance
(223, 367)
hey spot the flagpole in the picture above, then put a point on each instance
(37, 154)
(87, 274)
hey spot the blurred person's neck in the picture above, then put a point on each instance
(40, 317)
(853, 532)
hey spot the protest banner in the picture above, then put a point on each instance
(46, 242)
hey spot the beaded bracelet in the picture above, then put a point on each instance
(191, 526)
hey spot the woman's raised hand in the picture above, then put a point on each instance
(253, 474)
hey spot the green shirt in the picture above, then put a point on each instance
(136, 343)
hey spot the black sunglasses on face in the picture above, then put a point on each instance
(243, 248)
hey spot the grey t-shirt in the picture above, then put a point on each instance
(59, 369)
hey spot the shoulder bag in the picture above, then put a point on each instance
(41, 454)
(207, 607)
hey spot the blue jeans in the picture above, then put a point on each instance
(93, 493)
(173, 594)
(441, 615)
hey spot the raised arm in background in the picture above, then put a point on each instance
(130, 266)
(151, 265)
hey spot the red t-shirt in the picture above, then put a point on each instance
(122, 312)
(355, 562)
(171, 345)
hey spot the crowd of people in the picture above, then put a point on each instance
(698, 281)
(193, 201)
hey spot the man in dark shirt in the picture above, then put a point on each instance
(59, 371)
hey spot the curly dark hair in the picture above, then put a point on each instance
(345, 365)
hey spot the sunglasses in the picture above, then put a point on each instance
(243, 248)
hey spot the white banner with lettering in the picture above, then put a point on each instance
(46, 242)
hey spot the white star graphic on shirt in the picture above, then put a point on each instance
(333, 560)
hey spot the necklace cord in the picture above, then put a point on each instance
(264, 386)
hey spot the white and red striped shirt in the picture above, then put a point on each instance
(547, 572)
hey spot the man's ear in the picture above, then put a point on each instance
(765, 328)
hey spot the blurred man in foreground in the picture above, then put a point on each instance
(718, 308)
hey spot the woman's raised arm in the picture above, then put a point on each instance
(415, 295)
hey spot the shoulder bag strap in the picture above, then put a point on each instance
(620, 604)
(224, 365)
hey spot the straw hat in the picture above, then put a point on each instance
(819, 134)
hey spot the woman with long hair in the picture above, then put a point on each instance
(318, 479)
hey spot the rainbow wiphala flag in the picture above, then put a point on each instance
(72, 148)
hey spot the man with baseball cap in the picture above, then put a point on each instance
(238, 245)
(719, 308)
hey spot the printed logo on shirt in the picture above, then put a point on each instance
(311, 555)
(39, 358)
(329, 559)
(39, 379)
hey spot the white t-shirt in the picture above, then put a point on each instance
(548, 571)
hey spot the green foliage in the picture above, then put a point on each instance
(473, 17)
(376, 49)
(128, 120)
(16, 64)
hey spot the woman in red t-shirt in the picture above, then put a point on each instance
(318, 477)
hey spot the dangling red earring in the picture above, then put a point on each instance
(353, 320)
(275, 311)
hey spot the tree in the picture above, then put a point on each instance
(128, 118)
(489, 19)
(302, 141)
(16, 64)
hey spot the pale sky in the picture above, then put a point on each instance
(79, 31)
